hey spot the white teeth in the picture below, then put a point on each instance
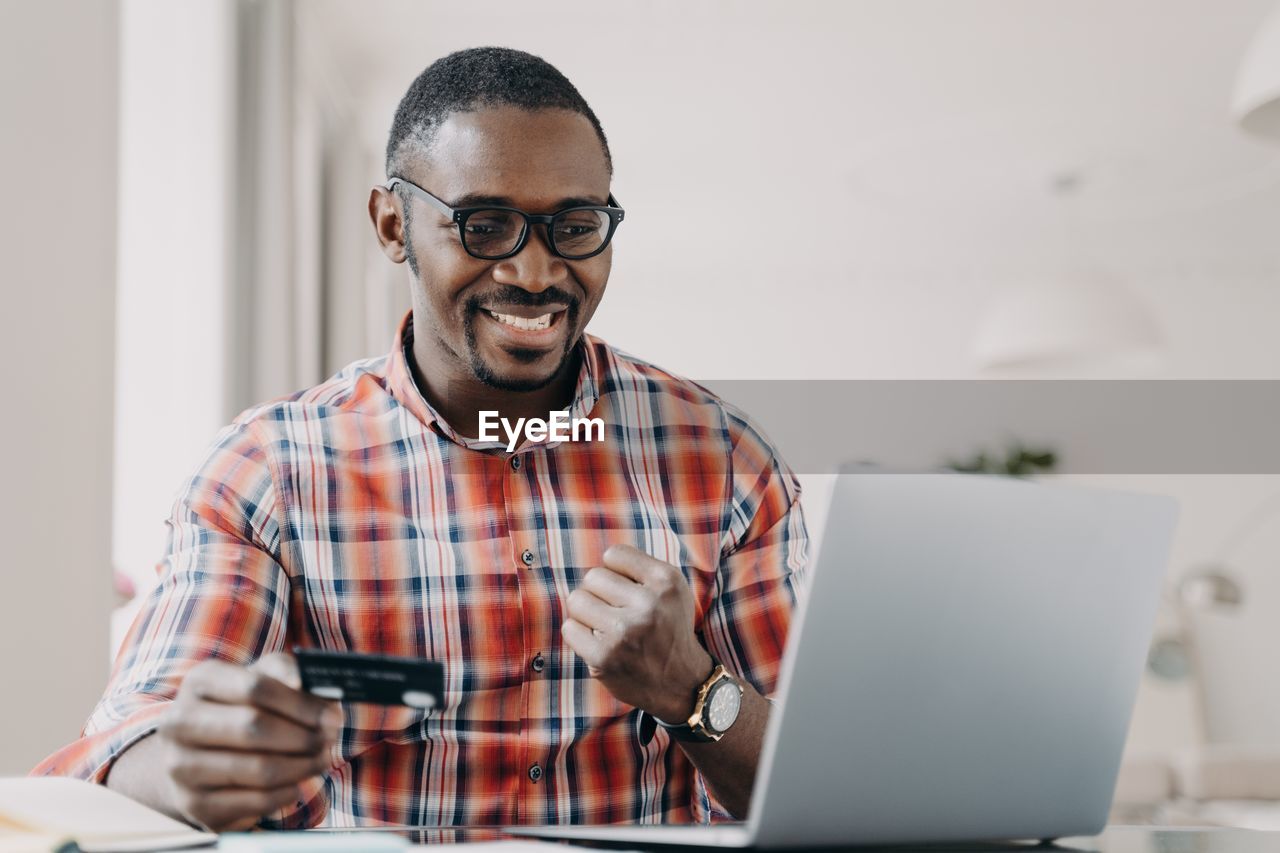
(528, 324)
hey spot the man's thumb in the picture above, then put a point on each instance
(281, 666)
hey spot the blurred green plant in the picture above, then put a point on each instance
(1018, 460)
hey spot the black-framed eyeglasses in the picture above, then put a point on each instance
(493, 233)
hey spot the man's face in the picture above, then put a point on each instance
(537, 161)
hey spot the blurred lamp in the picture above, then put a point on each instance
(1210, 588)
(1255, 103)
(1176, 656)
(1063, 322)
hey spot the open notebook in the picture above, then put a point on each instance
(42, 812)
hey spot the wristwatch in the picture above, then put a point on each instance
(714, 710)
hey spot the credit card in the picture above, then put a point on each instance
(382, 679)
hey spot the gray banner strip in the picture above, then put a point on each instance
(1092, 427)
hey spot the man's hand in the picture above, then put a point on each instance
(632, 622)
(234, 745)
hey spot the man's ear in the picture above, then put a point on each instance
(388, 222)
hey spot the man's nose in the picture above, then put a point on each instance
(534, 267)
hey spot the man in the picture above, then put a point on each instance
(575, 590)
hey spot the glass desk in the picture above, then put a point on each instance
(1116, 839)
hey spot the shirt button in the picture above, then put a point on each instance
(535, 773)
(515, 463)
(527, 557)
(539, 663)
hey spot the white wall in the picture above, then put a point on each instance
(58, 85)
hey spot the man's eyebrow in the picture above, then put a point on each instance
(481, 200)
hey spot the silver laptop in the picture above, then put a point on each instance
(963, 667)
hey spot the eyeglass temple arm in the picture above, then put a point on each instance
(423, 194)
(446, 209)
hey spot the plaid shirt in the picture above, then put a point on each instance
(350, 516)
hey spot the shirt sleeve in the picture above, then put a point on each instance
(222, 593)
(762, 571)
(762, 562)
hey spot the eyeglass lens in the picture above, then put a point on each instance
(574, 233)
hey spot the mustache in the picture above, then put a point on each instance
(512, 295)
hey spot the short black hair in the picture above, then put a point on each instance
(475, 77)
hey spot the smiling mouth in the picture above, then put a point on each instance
(526, 324)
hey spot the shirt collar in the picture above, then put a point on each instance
(403, 387)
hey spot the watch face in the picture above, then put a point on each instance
(722, 709)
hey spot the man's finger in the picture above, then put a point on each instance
(632, 563)
(220, 768)
(217, 681)
(281, 666)
(583, 641)
(243, 727)
(610, 587)
(239, 808)
(598, 615)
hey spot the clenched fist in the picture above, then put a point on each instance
(632, 622)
